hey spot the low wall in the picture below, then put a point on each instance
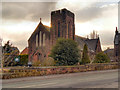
(39, 71)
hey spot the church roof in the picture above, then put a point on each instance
(41, 27)
(91, 43)
(47, 28)
(80, 40)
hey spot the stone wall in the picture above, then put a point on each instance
(40, 71)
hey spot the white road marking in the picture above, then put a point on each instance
(36, 85)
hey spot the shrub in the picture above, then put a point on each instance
(65, 52)
(85, 57)
(23, 60)
(48, 62)
(101, 58)
(36, 63)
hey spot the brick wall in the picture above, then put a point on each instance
(39, 71)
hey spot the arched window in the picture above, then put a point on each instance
(39, 56)
(43, 39)
(58, 29)
(37, 40)
(55, 31)
(69, 30)
(40, 40)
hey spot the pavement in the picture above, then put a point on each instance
(92, 79)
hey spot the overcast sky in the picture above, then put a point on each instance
(19, 19)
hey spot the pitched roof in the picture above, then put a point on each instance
(40, 27)
(81, 41)
(47, 28)
(91, 43)
(25, 51)
(14, 49)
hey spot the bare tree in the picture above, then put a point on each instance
(94, 35)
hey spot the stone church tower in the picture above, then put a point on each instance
(62, 25)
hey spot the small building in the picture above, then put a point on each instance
(94, 45)
(10, 56)
(110, 53)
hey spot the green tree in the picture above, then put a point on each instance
(23, 60)
(65, 52)
(85, 57)
(7, 47)
(49, 61)
(101, 58)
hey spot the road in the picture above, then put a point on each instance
(92, 79)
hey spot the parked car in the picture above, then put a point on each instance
(29, 64)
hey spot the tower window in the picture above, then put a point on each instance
(55, 31)
(58, 29)
(69, 30)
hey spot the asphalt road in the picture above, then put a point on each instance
(92, 79)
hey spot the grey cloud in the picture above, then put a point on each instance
(94, 11)
(34, 10)
(27, 10)
(88, 14)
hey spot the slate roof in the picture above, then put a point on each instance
(14, 48)
(109, 50)
(81, 41)
(91, 43)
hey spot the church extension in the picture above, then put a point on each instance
(62, 25)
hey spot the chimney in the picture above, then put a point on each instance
(116, 31)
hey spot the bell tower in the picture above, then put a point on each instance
(62, 25)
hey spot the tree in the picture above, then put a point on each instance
(101, 58)
(85, 57)
(7, 47)
(94, 35)
(23, 59)
(65, 52)
(49, 61)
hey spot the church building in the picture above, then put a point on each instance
(44, 37)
